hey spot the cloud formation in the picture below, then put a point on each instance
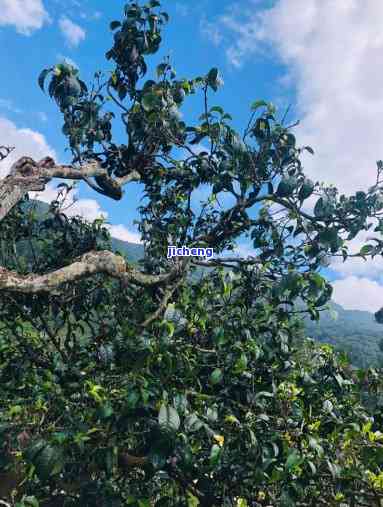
(122, 232)
(73, 33)
(25, 15)
(355, 293)
(27, 142)
(330, 52)
(211, 31)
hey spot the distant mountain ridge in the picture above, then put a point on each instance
(133, 251)
(353, 331)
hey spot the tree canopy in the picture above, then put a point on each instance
(146, 386)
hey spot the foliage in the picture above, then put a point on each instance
(193, 392)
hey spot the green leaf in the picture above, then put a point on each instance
(161, 69)
(217, 109)
(29, 501)
(334, 469)
(312, 467)
(328, 407)
(215, 454)
(168, 417)
(49, 462)
(34, 449)
(323, 208)
(293, 459)
(42, 78)
(366, 249)
(192, 501)
(193, 423)
(241, 363)
(328, 236)
(160, 451)
(306, 189)
(165, 15)
(106, 411)
(286, 187)
(216, 376)
(309, 149)
(259, 103)
(314, 444)
(212, 78)
(114, 24)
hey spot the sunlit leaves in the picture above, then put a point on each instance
(168, 417)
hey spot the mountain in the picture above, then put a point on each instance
(353, 331)
(133, 251)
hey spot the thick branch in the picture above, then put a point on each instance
(27, 175)
(87, 265)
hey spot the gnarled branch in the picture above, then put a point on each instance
(87, 265)
(27, 175)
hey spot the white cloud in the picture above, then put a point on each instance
(89, 209)
(330, 50)
(25, 15)
(122, 232)
(73, 33)
(27, 142)
(242, 250)
(48, 195)
(211, 31)
(371, 268)
(355, 293)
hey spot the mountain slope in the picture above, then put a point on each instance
(353, 331)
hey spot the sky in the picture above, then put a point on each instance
(322, 57)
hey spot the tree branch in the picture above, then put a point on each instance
(87, 265)
(27, 175)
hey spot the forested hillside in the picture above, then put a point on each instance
(352, 331)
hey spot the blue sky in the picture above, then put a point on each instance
(322, 60)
